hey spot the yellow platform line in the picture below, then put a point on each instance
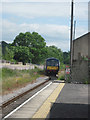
(45, 108)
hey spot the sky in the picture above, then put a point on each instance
(50, 18)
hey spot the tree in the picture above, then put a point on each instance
(35, 43)
(66, 57)
(0, 52)
(22, 54)
(22, 39)
(9, 54)
(4, 45)
(38, 48)
(53, 51)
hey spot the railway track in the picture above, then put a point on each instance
(21, 95)
(12, 104)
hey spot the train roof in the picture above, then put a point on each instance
(52, 58)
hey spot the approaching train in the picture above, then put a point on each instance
(52, 66)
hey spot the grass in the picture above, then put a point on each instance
(86, 81)
(13, 79)
(61, 75)
(68, 78)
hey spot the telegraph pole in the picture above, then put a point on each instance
(71, 34)
(74, 29)
(73, 38)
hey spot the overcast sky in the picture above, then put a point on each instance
(50, 18)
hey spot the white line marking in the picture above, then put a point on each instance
(26, 101)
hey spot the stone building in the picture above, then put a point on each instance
(80, 71)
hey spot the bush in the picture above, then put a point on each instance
(62, 77)
(62, 66)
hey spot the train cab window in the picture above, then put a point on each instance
(52, 63)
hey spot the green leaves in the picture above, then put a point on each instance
(22, 54)
(66, 57)
(31, 47)
(53, 51)
(9, 54)
(23, 39)
(35, 47)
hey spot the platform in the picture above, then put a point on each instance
(57, 100)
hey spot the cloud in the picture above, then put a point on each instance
(53, 30)
(49, 30)
(32, 10)
(81, 11)
(63, 45)
(81, 31)
(53, 34)
(36, 10)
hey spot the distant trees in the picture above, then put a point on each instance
(66, 57)
(0, 52)
(4, 45)
(31, 47)
(53, 51)
(9, 54)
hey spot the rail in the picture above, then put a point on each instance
(21, 95)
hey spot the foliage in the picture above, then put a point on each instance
(62, 77)
(9, 54)
(31, 47)
(22, 54)
(66, 57)
(23, 39)
(53, 51)
(62, 66)
(38, 48)
(13, 79)
(68, 78)
(0, 52)
(84, 58)
(34, 42)
(86, 81)
(4, 45)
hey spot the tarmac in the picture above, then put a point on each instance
(72, 102)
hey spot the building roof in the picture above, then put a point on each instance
(82, 36)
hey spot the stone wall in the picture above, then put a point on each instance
(79, 72)
(20, 66)
(81, 46)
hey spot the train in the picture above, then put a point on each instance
(52, 66)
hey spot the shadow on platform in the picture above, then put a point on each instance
(66, 110)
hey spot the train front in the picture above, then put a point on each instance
(52, 66)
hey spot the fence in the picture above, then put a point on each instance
(20, 66)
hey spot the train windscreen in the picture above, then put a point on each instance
(52, 63)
